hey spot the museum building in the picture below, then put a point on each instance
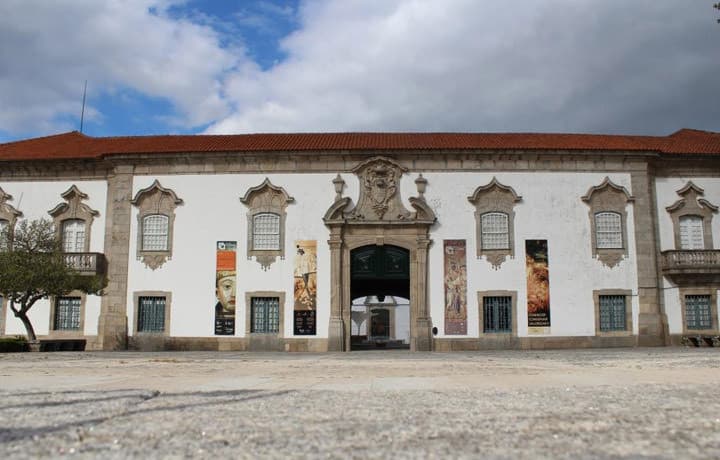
(354, 241)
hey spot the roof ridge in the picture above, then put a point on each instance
(66, 133)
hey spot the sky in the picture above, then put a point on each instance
(247, 66)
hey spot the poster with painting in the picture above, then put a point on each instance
(455, 276)
(225, 287)
(538, 285)
(305, 287)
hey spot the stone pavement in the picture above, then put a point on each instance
(627, 403)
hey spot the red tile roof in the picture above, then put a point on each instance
(74, 145)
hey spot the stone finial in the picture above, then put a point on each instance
(339, 184)
(421, 184)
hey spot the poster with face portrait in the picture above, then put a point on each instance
(455, 287)
(305, 290)
(538, 286)
(225, 287)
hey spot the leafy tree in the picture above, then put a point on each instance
(32, 267)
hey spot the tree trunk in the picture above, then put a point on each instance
(28, 325)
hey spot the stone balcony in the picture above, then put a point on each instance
(692, 266)
(86, 263)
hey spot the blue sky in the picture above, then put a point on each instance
(213, 66)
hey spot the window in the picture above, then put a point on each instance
(155, 233)
(608, 228)
(151, 314)
(698, 314)
(497, 314)
(691, 232)
(67, 314)
(73, 235)
(265, 315)
(4, 239)
(494, 231)
(4, 224)
(266, 232)
(612, 313)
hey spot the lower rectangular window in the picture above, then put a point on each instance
(265, 315)
(698, 312)
(67, 314)
(612, 313)
(497, 314)
(151, 314)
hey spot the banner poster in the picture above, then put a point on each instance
(225, 287)
(538, 285)
(455, 276)
(305, 287)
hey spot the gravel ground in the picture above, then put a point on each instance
(642, 403)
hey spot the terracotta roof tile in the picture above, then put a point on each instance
(74, 145)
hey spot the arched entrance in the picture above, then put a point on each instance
(380, 226)
(380, 293)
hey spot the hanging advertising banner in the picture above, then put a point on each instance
(455, 277)
(305, 290)
(538, 286)
(225, 287)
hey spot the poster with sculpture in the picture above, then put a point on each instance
(538, 286)
(455, 276)
(225, 287)
(305, 287)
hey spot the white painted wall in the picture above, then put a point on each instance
(34, 199)
(666, 192)
(551, 209)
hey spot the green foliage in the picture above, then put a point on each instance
(32, 267)
(13, 344)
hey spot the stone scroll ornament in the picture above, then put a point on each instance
(455, 276)
(305, 287)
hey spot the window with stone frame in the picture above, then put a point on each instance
(266, 216)
(155, 232)
(8, 217)
(68, 313)
(156, 217)
(265, 315)
(691, 216)
(698, 312)
(494, 221)
(613, 312)
(497, 314)
(608, 221)
(73, 220)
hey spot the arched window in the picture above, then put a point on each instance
(266, 232)
(608, 230)
(691, 232)
(494, 231)
(73, 235)
(155, 233)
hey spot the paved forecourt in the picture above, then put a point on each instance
(659, 402)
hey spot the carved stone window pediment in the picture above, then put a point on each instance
(155, 200)
(74, 210)
(606, 201)
(691, 204)
(267, 206)
(495, 203)
(7, 212)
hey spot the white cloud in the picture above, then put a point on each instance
(49, 48)
(646, 66)
(554, 65)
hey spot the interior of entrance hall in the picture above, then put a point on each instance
(380, 291)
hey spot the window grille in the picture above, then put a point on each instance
(4, 239)
(265, 314)
(612, 313)
(67, 314)
(494, 231)
(266, 232)
(73, 235)
(497, 314)
(3, 225)
(151, 314)
(698, 312)
(691, 232)
(608, 230)
(155, 233)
